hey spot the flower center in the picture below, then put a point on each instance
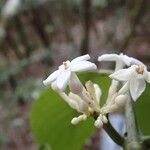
(66, 64)
(140, 70)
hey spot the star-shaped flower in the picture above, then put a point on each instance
(121, 58)
(136, 76)
(61, 76)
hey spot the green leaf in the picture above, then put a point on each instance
(142, 107)
(51, 123)
(51, 116)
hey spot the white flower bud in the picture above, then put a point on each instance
(113, 108)
(76, 120)
(98, 123)
(75, 85)
(72, 103)
(98, 92)
(121, 100)
(83, 107)
(104, 119)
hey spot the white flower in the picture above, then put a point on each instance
(136, 76)
(121, 58)
(63, 74)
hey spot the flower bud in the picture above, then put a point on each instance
(83, 107)
(121, 100)
(104, 119)
(75, 85)
(76, 120)
(113, 108)
(98, 123)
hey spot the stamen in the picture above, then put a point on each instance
(66, 65)
(140, 69)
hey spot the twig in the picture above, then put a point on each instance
(116, 137)
(133, 141)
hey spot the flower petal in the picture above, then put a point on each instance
(135, 61)
(83, 66)
(51, 78)
(63, 79)
(147, 75)
(81, 58)
(125, 59)
(123, 74)
(137, 87)
(108, 57)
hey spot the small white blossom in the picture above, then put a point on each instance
(121, 58)
(136, 76)
(75, 85)
(61, 76)
(76, 120)
(120, 100)
(121, 61)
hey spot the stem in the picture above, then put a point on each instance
(115, 136)
(133, 139)
(114, 85)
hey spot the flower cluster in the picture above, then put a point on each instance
(129, 72)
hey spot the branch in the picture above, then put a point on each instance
(133, 141)
(115, 136)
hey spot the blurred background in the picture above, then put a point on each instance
(37, 35)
